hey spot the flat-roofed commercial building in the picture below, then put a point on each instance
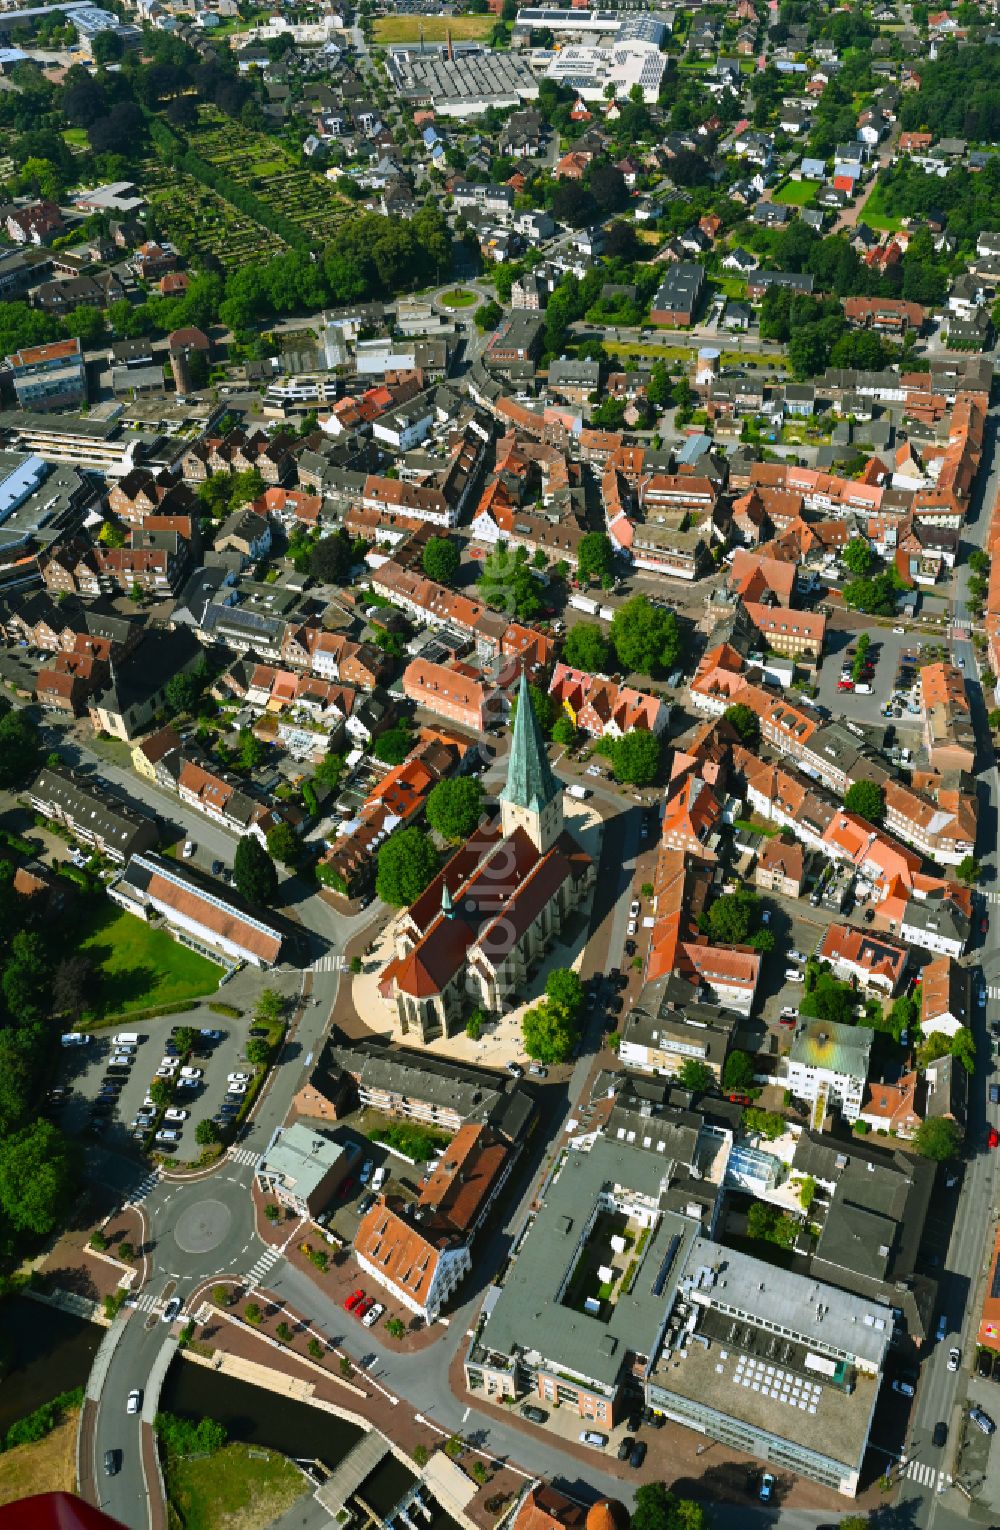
(773, 1363)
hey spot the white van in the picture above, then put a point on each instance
(126, 1039)
(75, 1039)
(379, 1177)
(793, 975)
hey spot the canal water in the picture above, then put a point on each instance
(262, 1418)
(257, 1417)
(43, 1352)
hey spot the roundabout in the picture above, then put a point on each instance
(202, 1227)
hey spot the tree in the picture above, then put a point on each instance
(695, 1075)
(587, 648)
(807, 1192)
(283, 844)
(182, 691)
(745, 721)
(331, 558)
(646, 638)
(963, 1048)
(829, 999)
(903, 1015)
(938, 1137)
(392, 746)
(636, 758)
(161, 1092)
(737, 1073)
(542, 705)
(406, 863)
(254, 872)
(107, 48)
(207, 1132)
(876, 596)
(770, 1225)
(441, 559)
(595, 556)
(252, 750)
(253, 1314)
(37, 1178)
(71, 982)
(488, 316)
(763, 1123)
(563, 731)
(258, 1051)
(656, 1508)
(20, 745)
(270, 1005)
(732, 917)
(968, 870)
(454, 807)
(858, 557)
(867, 800)
(564, 989)
(549, 1034)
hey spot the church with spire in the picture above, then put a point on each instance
(475, 935)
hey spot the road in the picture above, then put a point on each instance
(941, 1392)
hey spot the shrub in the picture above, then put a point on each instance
(320, 1258)
(252, 1313)
(480, 1473)
(184, 1437)
(346, 1368)
(98, 1241)
(229, 1010)
(315, 1349)
(36, 1425)
(125, 1250)
(395, 1327)
(421, 1455)
(272, 1212)
(221, 1296)
(284, 1333)
(454, 1446)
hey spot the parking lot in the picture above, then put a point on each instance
(888, 651)
(84, 1069)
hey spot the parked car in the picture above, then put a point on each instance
(625, 1448)
(982, 1420)
(904, 1388)
(766, 1490)
(993, 1140)
(364, 1305)
(366, 1203)
(534, 1415)
(638, 1455)
(192, 1073)
(352, 1301)
(954, 1359)
(239, 1078)
(593, 1437)
(373, 1314)
(188, 849)
(167, 1134)
(173, 1114)
(367, 1169)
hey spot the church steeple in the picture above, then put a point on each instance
(532, 798)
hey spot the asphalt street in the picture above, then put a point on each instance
(941, 1393)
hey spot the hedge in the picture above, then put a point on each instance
(229, 1010)
(35, 1426)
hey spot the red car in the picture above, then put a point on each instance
(365, 1305)
(993, 1140)
(984, 923)
(354, 1298)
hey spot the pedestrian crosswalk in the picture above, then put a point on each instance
(146, 1301)
(332, 961)
(141, 1190)
(264, 1265)
(927, 1476)
(246, 1156)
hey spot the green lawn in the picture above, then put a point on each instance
(796, 193)
(874, 214)
(731, 286)
(76, 136)
(232, 1487)
(459, 297)
(141, 968)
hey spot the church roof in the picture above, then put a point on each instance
(530, 782)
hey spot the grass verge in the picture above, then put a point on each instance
(47, 1466)
(796, 193)
(233, 1489)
